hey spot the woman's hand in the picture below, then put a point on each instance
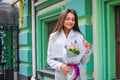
(87, 45)
(66, 69)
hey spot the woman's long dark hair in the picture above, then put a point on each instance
(61, 19)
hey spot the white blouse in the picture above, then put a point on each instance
(56, 47)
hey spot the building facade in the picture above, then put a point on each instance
(98, 21)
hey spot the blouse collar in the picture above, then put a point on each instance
(70, 33)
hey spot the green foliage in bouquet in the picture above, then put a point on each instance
(73, 47)
(74, 50)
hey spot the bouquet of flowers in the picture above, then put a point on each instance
(72, 52)
(71, 58)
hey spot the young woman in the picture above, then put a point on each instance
(67, 33)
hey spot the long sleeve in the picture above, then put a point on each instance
(53, 63)
(50, 57)
(86, 57)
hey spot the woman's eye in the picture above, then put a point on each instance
(67, 18)
(73, 19)
(70, 19)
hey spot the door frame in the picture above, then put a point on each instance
(105, 63)
(111, 42)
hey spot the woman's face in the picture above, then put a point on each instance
(69, 21)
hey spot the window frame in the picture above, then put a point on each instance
(42, 35)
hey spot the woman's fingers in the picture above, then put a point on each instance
(66, 69)
(86, 44)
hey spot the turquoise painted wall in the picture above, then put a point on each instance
(25, 42)
(82, 7)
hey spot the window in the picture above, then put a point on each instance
(51, 26)
(45, 23)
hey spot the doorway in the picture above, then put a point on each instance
(117, 36)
